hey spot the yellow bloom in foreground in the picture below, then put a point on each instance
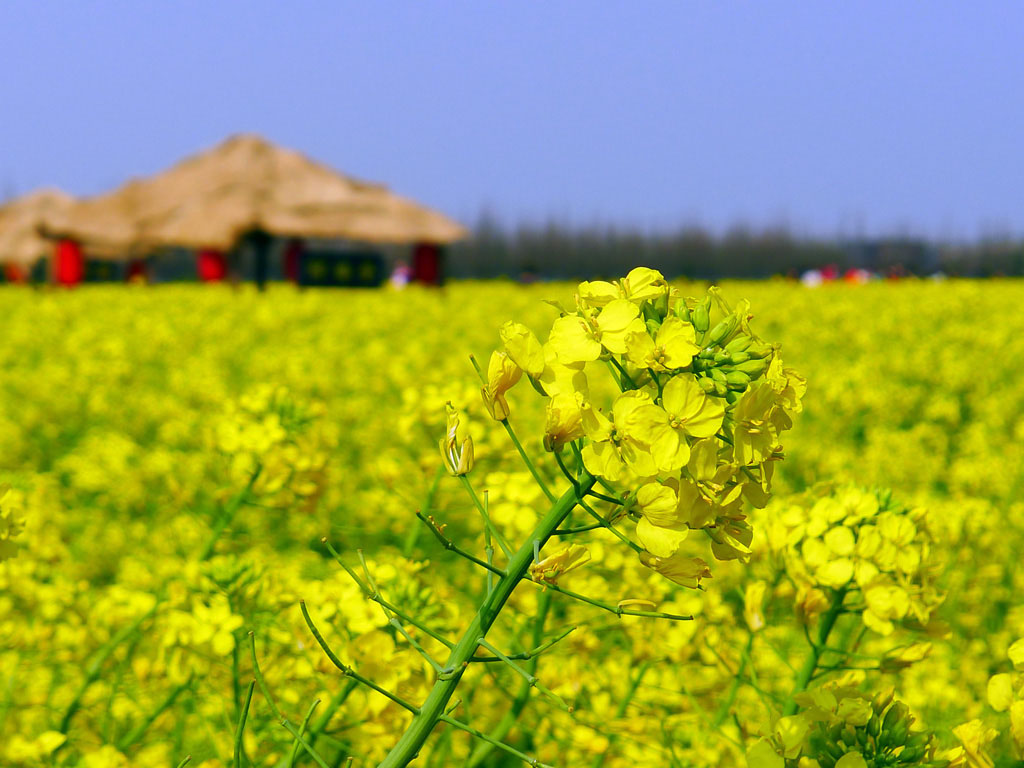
(502, 375)
(755, 435)
(558, 378)
(690, 409)
(644, 284)
(976, 736)
(627, 443)
(640, 285)
(564, 422)
(673, 346)
(522, 347)
(566, 559)
(581, 340)
(683, 570)
(661, 541)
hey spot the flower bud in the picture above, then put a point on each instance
(458, 460)
(739, 344)
(722, 330)
(701, 316)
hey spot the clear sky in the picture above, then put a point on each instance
(833, 118)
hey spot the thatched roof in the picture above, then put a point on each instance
(20, 241)
(211, 199)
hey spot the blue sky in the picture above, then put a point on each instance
(832, 118)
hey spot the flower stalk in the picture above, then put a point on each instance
(433, 709)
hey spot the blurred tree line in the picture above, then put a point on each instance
(556, 251)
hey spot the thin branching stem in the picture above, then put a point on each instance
(527, 655)
(301, 741)
(95, 666)
(261, 681)
(228, 515)
(603, 497)
(243, 716)
(529, 677)
(412, 641)
(617, 610)
(499, 744)
(302, 731)
(453, 547)
(482, 509)
(434, 706)
(603, 522)
(347, 670)
(577, 529)
(626, 378)
(825, 625)
(378, 598)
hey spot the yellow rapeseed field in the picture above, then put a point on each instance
(228, 535)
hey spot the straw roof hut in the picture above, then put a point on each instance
(246, 184)
(21, 244)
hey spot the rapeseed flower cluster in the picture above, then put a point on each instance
(693, 425)
(878, 553)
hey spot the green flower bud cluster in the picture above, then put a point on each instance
(877, 551)
(731, 357)
(884, 739)
(842, 727)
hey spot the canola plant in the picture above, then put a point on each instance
(623, 523)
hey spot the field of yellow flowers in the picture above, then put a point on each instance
(228, 537)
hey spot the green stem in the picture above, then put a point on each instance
(347, 670)
(239, 748)
(500, 745)
(500, 731)
(139, 731)
(482, 509)
(730, 697)
(806, 673)
(236, 679)
(229, 514)
(92, 672)
(324, 719)
(625, 376)
(453, 547)
(526, 460)
(424, 721)
(302, 732)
